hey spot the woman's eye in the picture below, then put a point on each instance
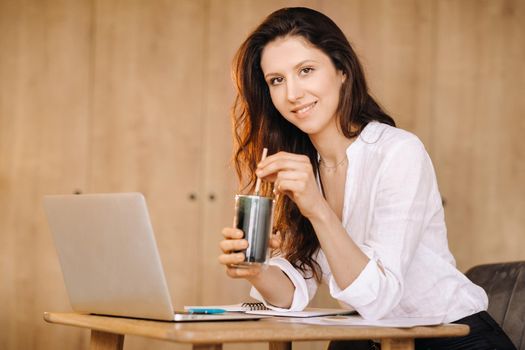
(306, 70)
(276, 81)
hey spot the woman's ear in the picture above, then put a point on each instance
(343, 77)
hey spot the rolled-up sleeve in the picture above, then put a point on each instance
(368, 288)
(305, 288)
(404, 186)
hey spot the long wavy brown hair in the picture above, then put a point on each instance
(258, 124)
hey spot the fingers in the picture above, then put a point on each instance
(282, 161)
(292, 188)
(243, 272)
(232, 233)
(284, 156)
(290, 181)
(231, 259)
(233, 242)
(292, 175)
(278, 165)
(230, 246)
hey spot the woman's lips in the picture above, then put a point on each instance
(304, 109)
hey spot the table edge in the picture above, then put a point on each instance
(195, 336)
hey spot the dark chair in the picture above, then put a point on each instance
(505, 286)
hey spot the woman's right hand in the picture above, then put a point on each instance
(231, 247)
(271, 282)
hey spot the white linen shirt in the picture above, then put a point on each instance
(393, 211)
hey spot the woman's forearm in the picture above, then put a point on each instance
(275, 286)
(345, 258)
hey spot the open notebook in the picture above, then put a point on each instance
(260, 309)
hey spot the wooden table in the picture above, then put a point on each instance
(108, 332)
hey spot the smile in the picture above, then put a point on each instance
(304, 109)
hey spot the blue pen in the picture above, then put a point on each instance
(206, 311)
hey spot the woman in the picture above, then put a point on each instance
(358, 204)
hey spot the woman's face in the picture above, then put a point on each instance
(303, 82)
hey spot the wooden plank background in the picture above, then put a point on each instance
(107, 96)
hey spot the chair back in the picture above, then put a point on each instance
(505, 287)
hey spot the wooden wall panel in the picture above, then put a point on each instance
(477, 125)
(44, 84)
(394, 40)
(147, 125)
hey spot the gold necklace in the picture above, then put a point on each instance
(331, 168)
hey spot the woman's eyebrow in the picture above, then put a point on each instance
(267, 75)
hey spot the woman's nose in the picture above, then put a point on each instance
(294, 90)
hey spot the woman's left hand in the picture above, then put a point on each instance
(292, 175)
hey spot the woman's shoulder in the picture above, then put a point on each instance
(385, 138)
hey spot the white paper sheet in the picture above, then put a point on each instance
(356, 320)
(259, 309)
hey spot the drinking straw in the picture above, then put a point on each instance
(258, 183)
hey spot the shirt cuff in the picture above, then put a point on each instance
(363, 291)
(300, 297)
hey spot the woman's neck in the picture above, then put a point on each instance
(331, 146)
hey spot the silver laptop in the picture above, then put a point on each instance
(109, 258)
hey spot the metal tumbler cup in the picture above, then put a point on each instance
(254, 216)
